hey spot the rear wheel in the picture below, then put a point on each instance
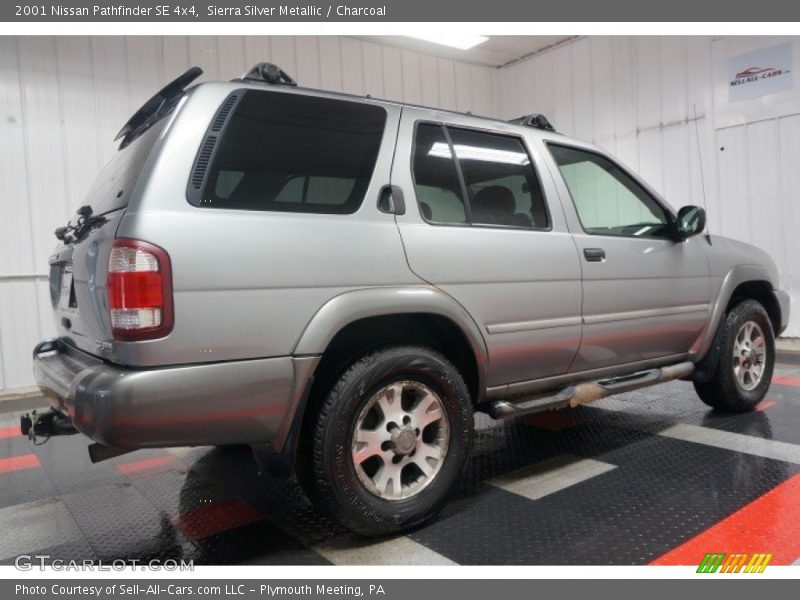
(390, 439)
(746, 360)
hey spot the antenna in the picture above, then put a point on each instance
(700, 161)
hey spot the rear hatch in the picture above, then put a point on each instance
(79, 267)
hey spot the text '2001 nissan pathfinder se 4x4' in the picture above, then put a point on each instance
(339, 282)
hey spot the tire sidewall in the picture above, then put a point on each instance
(358, 505)
(738, 398)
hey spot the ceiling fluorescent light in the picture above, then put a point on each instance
(462, 41)
(442, 150)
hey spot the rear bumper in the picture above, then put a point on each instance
(237, 402)
(783, 302)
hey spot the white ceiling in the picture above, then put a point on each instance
(496, 51)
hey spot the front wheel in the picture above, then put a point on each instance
(746, 360)
(390, 440)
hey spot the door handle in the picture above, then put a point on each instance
(391, 201)
(594, 254)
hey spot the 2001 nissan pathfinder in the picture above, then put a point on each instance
(340, 282)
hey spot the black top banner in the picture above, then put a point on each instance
(402, 10)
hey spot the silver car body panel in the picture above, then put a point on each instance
(233, 402)
(731, 264)
(522, 287)
(648, 298)
(258, 296)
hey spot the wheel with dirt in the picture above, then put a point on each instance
(746, 346)
(390, 438)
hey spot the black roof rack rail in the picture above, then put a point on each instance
(535, 120)
(265, 72)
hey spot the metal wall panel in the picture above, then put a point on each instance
(562, 88)
(658, 116)
(583, 88)
(62, 101)
(789, 144)
(602, 67)
(392, 72)
(16, 249)
(733, 184)
(330, 63)
(19, 322)
(412, 78)
(429, 80)
(447, 83)
(352, 66)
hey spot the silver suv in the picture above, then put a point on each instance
(339, 282)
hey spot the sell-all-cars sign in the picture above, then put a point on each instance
(760, 72)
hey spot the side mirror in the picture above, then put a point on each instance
(691, 221)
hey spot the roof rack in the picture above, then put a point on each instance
(535, 120)
(268, 73)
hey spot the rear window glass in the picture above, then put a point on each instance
(295, 153)
(116, 181)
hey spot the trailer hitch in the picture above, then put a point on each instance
(46, 424)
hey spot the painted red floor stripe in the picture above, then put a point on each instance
(9, 432)
(19, 463)
(765, 405)
(146, 464)
(769, 524)
(199, 523)
(786, 380)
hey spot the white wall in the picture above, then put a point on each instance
(650, 100)
(62, 100)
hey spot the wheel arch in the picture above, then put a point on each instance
(353, 322)
(743, 282)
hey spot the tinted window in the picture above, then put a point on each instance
(607, 199)
(502, 185)
(288, 152)
(436, 180)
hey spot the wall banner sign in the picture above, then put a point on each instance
(760, 72)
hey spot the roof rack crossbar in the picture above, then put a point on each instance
(536, 120)
(265, 72)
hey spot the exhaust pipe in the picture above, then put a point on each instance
(99, 452)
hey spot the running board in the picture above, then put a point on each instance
(590, 391)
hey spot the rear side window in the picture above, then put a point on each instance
(463, 176)
(293, 153)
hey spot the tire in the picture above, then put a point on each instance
(725, 391)
(362, 404)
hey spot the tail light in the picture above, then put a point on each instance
(139, 291)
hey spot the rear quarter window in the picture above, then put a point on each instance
(294, 153)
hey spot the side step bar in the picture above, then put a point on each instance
(590, 391)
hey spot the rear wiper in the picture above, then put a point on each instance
(86, 221)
